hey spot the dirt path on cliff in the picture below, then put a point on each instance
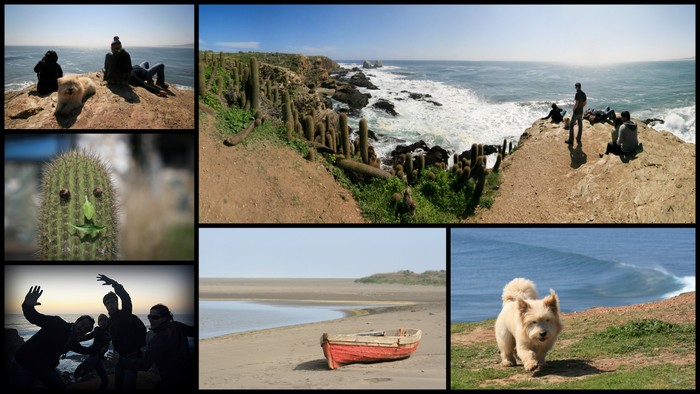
(264, 183)
(549, 181)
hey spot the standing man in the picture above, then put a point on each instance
(579, 104)
(127, 337)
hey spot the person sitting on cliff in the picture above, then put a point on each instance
(117, 64)
(48, 71)
(557, 114)
(627, 141)
(142, 75)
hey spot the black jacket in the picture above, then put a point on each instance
(120, 325)
(43, 350)
(48, 74)
(169, 350)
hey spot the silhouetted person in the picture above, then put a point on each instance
(48, 71)
(39, 356)
(122, 330)
(557, 114)
(168, 349)
(101, 340)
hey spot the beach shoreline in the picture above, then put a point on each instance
(291, 356)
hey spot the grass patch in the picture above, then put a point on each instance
(407, 277)
(635, 354)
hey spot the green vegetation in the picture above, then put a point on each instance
(437, 195)
(620, 351)
(407, 277)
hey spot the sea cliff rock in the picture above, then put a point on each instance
(547, 181)
(111, 107)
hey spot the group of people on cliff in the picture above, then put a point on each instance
(118, 70)
(135, 349)
(624, 134)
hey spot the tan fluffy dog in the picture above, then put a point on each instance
(72, 92)
(527, 327)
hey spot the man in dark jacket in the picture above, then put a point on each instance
(168, 349)
(39, 356)
(121, 330)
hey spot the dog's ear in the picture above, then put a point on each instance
(523, 306)
(552, 301)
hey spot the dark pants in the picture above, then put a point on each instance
(574, 118)
(615, 149)
(124, 379)
(157, 69)
(93, 362)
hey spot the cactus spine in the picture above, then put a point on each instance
(78, 213)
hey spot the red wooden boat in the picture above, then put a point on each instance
(368, 347)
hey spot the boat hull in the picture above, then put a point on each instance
(369, 347)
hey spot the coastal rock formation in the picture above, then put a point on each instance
(367, 64)
(111, 107)
(547, 181)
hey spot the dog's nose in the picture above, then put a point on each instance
(543, 334)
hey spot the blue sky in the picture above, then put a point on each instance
(75, 289)
(96, 25)
(318, 252)
(584, 34)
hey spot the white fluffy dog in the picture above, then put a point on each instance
(72, 92)
(527, 327)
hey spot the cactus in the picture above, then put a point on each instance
(364, 141)
(499, 158)
(344, 138)
(309, 128)
(254, 84)
(78, 213)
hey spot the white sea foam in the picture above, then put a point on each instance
(463, 118)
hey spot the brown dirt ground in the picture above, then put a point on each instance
(266, 184)
(544, 181)
(679, 309)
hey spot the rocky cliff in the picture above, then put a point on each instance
(548, 181)
(111, 107)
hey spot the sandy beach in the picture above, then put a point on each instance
(291, 357)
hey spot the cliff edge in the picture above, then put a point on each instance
(548, 181)
(111, 107)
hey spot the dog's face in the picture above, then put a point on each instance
(68, 86)
(540, 318)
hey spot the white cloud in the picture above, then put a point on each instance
(243, 44)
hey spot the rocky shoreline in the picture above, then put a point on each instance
(111, 107)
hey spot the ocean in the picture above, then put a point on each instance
(20, 62)
(587, 267)
(26, 330)
(219, 318)
(487, 102)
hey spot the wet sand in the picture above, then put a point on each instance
(291, 357)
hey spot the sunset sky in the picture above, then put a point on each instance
(75, 289)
